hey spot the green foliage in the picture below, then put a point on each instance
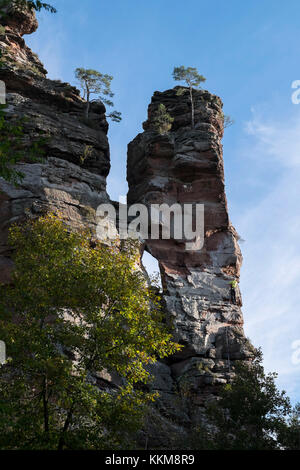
(192, 79)
(162, 120)
(71, 312)
(3, 57)
(38, 6)
(251, 414)
(181, 91)
(227, 120)
(13, 148)
(94, 82)
(115, 116)
(87, 152)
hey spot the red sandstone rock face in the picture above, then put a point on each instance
(186, 166)
(15, 54)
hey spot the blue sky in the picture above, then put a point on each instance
(249, 53)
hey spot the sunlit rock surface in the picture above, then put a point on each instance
(186, 166)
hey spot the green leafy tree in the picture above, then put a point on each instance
(162, 120)
(251, 414)
(94, 82)
(192, 78)
(72, 312)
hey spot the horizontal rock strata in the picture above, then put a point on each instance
(186, 166)
(71, 177)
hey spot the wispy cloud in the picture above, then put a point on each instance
(48, 44)
(271, 273)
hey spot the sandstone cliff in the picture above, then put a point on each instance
(184, 166)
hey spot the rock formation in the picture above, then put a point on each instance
(72, 177)
(183, 166)
(186, 166)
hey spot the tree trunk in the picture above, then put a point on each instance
(192, 105)
(87, 109)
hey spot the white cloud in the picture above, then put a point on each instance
(271, 272)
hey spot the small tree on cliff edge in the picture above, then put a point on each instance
(251, 414)
(94, 82)
(192, 78)
(72, 311)
(227, 120)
